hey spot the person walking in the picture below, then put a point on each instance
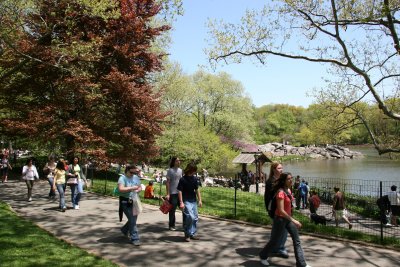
(174, 174)
(189, 197)
(275, 171)
(303, 188)
(4, 167)
(75, 172)
(29, 174)
(48, 170)
(338, 207)
(58, 183)
(129, 186)
(394, 199)
(283, 221)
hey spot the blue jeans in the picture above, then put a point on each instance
(191, 218)
(76, 191)
(130, 225)
(304, 201)
(52, 192)
(60, 189)
(278, 227)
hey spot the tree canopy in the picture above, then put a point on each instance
(78, 77)
(357, 38)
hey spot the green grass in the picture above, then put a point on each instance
(220, 202)
(22, 244)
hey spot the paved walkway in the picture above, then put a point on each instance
(95, 228)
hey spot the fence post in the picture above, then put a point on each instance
(105, 182)
(236, 182)
(380, 195)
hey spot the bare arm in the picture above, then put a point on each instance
(126, 189)
(280, 207)
(181, 205)
(199, 198)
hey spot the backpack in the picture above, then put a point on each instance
(272, 203)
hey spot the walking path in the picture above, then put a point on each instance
(95, 228)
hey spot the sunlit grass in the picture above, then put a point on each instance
(22, 243)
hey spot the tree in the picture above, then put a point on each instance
(221, 105)
(358, 38)
(84, 81)
(193, 142)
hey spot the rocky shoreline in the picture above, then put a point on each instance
(327, 152)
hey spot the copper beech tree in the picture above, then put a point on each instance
(80, 80)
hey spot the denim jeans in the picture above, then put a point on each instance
(60, 189)
(52, 192)
(173, 199)
(278, 227)
(76, 191)
(304, 201)
(191, 218)
(130, 225)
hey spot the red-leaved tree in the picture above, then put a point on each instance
(81, 81)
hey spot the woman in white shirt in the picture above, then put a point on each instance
(29, 174)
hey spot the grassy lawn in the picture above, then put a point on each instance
(24, 244)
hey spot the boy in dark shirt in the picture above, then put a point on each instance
(188, 194)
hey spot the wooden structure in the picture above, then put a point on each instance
(256, 157)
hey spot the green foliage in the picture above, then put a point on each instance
(357, 38)
(193, 142)
(202, 108)
(24, 244)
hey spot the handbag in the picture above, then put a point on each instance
(136, 205)
(72, 181)
(166, 206)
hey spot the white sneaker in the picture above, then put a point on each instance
(308, 265)
(29, 199)
(265, 262)
(76, 207)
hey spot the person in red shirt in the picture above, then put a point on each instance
(283, 220)
(314, 202)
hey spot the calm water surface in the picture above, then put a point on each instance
(371, 167)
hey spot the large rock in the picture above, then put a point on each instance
(330, 151)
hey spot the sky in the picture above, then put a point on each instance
(281, 81)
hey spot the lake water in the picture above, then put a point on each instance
(371, 167)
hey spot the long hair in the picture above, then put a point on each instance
(281, 181)
(190, 168)
(60, 165)
(274, 165)
(172, 162)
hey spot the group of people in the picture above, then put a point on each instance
(58, 174)
(279, 186)
(389, 206)
(182, 189)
